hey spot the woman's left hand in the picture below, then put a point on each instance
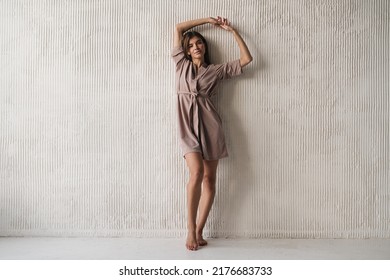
(224, 23)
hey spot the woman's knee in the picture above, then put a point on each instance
(209, 180)
(195, 166)
(196, 174)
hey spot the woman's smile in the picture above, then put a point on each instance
(196, 48)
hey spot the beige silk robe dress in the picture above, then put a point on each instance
(200, 127)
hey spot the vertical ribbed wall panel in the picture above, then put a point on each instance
(89, 146)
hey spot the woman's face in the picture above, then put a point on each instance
(196, 48)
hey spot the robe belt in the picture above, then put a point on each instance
(195, 111)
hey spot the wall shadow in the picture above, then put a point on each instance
(236, 173)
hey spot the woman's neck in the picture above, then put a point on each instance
(197, 63)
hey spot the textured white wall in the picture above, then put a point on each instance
(88, 142)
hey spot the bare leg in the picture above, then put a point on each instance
(195, 165)
(207, 198)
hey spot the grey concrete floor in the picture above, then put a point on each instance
(22, 248)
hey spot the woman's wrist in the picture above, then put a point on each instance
(212, 21)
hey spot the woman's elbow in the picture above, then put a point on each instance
(178, 27)
(250, 58)
(245, 61)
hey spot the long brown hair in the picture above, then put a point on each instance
(186, 41)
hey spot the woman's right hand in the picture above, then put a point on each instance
(214, 21)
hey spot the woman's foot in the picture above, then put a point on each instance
(200, 240)
(191, 242)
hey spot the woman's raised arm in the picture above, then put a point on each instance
(182, 27)
(245, 55)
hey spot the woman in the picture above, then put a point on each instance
(201, 135)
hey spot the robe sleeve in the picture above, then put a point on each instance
(177, 55)
(228, 70)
